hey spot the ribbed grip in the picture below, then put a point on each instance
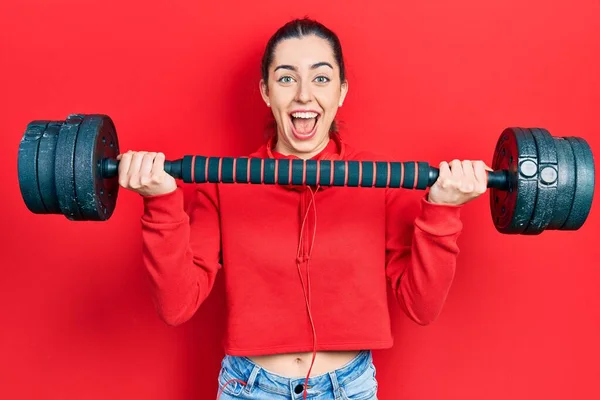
(381, 174)
(410, 175)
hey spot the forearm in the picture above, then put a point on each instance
(422, 272)
(180, 280)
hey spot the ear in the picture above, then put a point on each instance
(343, 92)
(264, 92)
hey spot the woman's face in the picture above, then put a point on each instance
(304, 92)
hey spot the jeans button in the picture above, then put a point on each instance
(299, 388)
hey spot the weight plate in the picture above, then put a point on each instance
(96, 140)
(546, 182)
(512, 209)
(584, 186)
(565, 188)
(45, 171)
(64, 166)
(27, 165)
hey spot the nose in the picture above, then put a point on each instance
(303, 94)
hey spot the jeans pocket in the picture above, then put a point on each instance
(364, 387)
(230, 384)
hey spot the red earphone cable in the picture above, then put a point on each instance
(227, 383)
(306, 290)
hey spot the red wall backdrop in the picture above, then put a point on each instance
(429, 80)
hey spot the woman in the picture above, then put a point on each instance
(305, 267)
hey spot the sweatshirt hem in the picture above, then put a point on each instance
(164, 208)
(439, 219)
(346, 346)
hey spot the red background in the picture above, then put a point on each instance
(429, 80)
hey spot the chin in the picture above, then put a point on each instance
(307, 145)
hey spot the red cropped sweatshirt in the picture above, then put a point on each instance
(299, 261)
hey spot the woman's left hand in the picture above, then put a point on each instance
(459, 182)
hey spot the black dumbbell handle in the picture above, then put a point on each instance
(201, 169)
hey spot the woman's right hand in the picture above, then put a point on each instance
(144, 173)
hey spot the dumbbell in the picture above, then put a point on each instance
(539, 182)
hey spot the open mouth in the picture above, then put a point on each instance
(304, 124)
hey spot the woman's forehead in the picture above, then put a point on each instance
(303, 52)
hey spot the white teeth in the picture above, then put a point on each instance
(305, 115)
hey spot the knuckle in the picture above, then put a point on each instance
(134, 182)
(145, 181)
(156, 178)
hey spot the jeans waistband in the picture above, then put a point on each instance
(253, 374)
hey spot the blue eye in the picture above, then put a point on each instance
(322, 79)
(285, 79)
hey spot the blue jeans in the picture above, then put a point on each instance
(353, 381)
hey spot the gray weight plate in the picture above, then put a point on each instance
(511, 209)
(547, 181)
(45, 171)
(27, 165)
(584, 186)
(565, 188)
(96, 140)
(64, 166)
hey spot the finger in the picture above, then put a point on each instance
(136, 163)
(159, 165)
(146, 168)
(134, 169)
(468, 180)
(445, 175)
(457, 172)
(480, 176)
(124, 167)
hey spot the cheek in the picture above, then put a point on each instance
(281, 96)
(329, 99)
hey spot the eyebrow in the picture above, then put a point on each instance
(314, 66)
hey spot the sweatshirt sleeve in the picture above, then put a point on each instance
(421, 252)
(181, 250)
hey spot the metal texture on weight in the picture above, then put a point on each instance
(584, 187)
(27, 165)
(46, 172)
(565, 188)
(546, 181)
(65, 168)
(512, 209)
(96, 140)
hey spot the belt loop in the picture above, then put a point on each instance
(335, 385)
(252, 379)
